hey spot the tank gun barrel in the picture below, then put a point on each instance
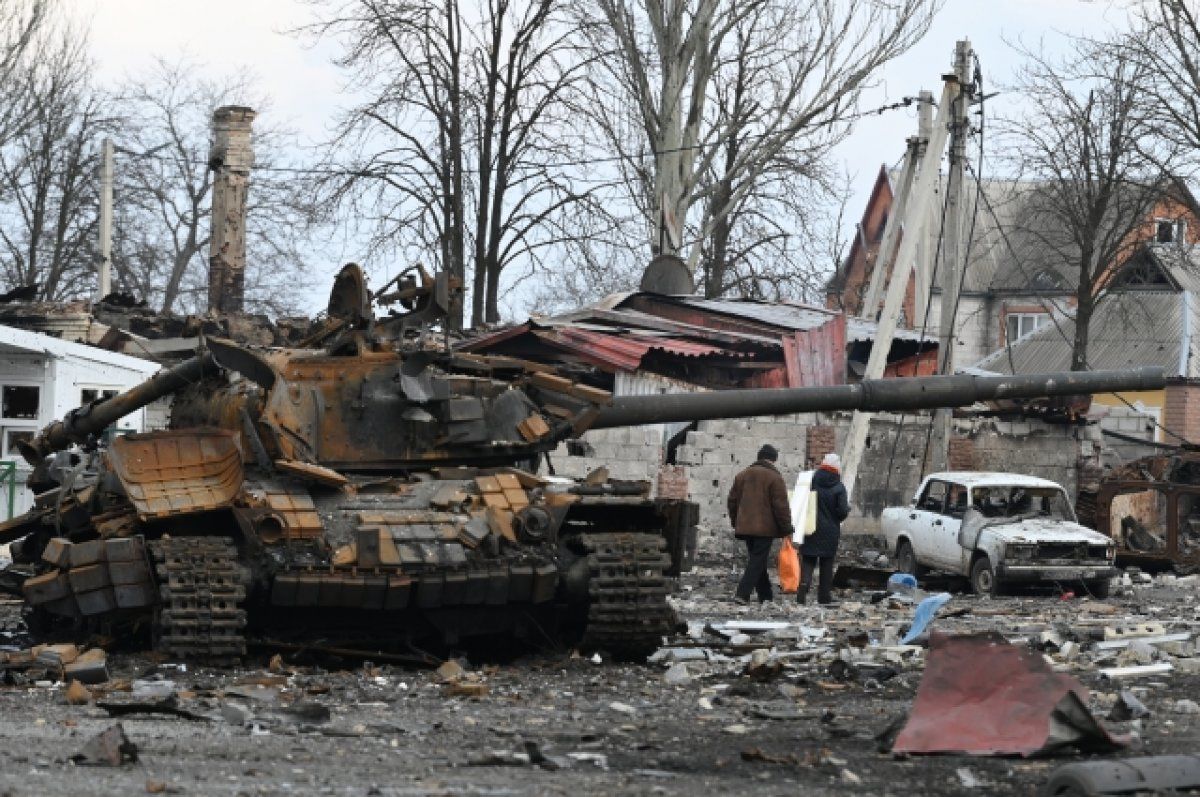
(871, 395)
(79, 424)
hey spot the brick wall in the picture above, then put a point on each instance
(673, 482)
(819, 441)
(1181, 413)
(961, 453)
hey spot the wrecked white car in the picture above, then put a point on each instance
(997, 529)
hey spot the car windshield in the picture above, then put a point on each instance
(1014, 502)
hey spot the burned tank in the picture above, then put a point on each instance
(375, 484)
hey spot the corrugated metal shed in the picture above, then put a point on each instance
(1128, 330)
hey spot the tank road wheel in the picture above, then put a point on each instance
(201, 588)
(628, 613)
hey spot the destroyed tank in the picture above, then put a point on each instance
(375, 484)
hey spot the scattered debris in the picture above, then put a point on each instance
(1128, 707)
(168, 706)
(77, 694)
(110, 748)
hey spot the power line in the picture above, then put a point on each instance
(367, 172)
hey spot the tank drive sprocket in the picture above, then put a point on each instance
(628, 612)
(201, 590)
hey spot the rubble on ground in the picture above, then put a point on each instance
(779, 696)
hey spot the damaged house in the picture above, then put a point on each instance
(1018, 270)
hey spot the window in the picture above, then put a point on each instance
(89, 394)
(957, 505)
(14, 436)
(21, 401)
(934, 497)
(1169, 231)
(1021, 324)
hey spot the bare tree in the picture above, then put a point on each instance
(1167, 43)
(730, 94)
(164, 194)
(21, 21)
(452, 154)
(1087, 136)
(47, 168)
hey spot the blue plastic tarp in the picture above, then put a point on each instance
(926, 610)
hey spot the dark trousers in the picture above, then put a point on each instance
(758, 550)
(825, 586)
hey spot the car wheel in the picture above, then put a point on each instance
(1098, 589)
(906, 560)
(983, 578)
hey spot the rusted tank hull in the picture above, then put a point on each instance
(398, 560)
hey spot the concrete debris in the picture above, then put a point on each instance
(110, 748)
(1186, 707)
(677, 674)
(1128, 707)
(1123, 673)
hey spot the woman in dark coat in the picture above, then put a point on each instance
(820, 548)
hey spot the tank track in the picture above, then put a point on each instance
(201, 587)
(628, 613)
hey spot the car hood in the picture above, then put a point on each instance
(1032, 530)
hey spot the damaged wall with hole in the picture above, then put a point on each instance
(709, 457)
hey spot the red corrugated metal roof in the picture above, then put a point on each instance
(625, 350)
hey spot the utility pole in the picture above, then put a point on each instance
(921, 267)
(891, 232)
(231, 157)
(953, 253)
(104, 281)
(915, 220)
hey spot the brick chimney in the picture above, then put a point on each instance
(231, 157)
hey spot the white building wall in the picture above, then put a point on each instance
(60, 375)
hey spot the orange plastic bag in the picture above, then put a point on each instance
(789, 567)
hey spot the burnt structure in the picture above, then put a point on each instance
(1151, 508)
(374, 483)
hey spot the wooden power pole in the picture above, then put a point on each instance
(104, 275)
(231, 157)
(953, 254)
(916, 216)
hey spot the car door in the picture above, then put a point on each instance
(921, 518)
(943, 536)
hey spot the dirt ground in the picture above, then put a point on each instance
(557, 723)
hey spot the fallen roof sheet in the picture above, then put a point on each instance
(980, 695)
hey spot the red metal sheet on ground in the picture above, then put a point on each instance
(817, 357)
(982, 696)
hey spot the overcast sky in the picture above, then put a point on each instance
(227, 35)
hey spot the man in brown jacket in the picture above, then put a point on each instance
(759, 511)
